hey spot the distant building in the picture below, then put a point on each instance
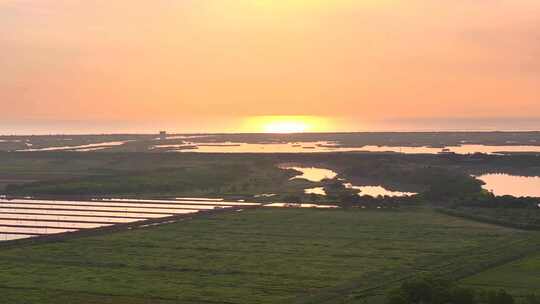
(447, 152)
(162, 135)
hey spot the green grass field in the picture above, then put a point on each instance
(144, 174)
(526, 218)
(520, 277)
(164, 174)
(258, 256)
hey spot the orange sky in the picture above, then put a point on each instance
(199, 59)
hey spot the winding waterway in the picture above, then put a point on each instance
(314, 174)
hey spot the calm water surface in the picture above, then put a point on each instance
(35, 230)
(312, 174)
(10, 237)
(464, 149)
(80, 148)
(70, 218)
(96, 208)
(231, 147)
(54, 224)
(186, 201)
(319, 174)
(284, 205)
(376, 191)
(84, 213)
(506, 184)
(24, 218)
(317, 190)
(116, 204)
(326, 146)
(265, 195)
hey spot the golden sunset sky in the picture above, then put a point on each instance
(188, 61)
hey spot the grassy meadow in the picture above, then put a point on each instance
(94, 174)
(258, 256)
(264, 255)
(521, 277)
(438, 177)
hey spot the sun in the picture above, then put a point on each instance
(285, 124)
(301, 5)
(286, 127)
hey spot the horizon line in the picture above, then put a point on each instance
(265, 133)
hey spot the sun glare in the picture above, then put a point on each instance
(296, 5)
(286, 127)
(286, 124)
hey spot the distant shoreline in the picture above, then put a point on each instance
(277, 134)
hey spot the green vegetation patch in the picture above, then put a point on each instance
(156, 175)
(521, 218)
(259, 256)
(520, 277)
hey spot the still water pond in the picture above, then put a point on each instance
(506, 184)
(319, 174)
(463, 149)
(312, 174)
(376, 191)
(80, 148)
(316, 190)
(329, 146)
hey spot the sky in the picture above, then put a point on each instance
(212, 65)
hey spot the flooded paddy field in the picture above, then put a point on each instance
(289, 205)
(199, 202)
(25, 218)
(265, 255)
